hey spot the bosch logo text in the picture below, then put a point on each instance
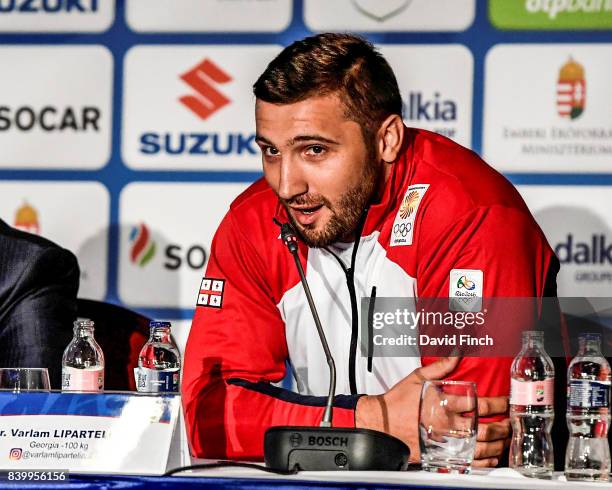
(327, 441)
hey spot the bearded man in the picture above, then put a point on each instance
(379, 209)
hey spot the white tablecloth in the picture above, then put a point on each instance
(503, 478)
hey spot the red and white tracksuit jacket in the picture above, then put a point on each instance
(443, 209)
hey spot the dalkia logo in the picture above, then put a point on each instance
(26, 219)
(419, 107)
(208, 99)
(596, 251)
(381, 10)
(571, 90)
(143, 247)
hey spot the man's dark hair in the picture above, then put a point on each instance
(334, 63)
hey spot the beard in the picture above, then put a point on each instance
(345, 214)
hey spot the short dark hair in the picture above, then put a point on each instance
(334, 63)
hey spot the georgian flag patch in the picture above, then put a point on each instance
(211, 292)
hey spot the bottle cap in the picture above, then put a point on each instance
(156, 324)
(533, 334)
(86, 323)
(590, 337)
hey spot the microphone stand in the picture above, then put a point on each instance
(327, 447)
(290, 239)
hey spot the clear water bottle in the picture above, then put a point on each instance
(83, 360)
(159, 362)
(588, 412)
(532, 380)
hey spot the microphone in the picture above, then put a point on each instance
(327, 447)
(290, 239)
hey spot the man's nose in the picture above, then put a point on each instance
(291, 181)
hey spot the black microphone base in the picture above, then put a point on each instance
(333, 448)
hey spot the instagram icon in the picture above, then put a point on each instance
(15, 453)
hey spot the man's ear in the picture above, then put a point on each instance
(390, 138)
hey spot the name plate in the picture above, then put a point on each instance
(87, 432)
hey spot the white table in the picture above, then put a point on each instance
(503, 478)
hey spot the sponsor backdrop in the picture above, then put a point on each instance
(126, 127)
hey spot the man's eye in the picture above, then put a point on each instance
(270, 151)
(315, 150)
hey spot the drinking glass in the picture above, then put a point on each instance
(448, 425)
(24, 379)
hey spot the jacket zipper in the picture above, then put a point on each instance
(350, 282)
(371, 327)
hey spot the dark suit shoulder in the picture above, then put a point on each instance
(23, 238)
(21, 251)
(39, 281)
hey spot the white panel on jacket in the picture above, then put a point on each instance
(329, 289)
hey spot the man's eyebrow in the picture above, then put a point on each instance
(259, 138)
(313, 137)
(293, 141)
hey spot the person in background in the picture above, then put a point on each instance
(38, 301)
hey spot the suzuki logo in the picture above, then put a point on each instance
(208, 99)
